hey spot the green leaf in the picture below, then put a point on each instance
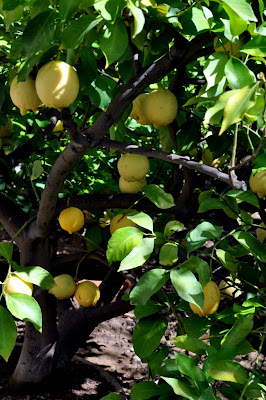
(25, 308)
(207, 395)
(114, 41)
(256, 46)
(165, 139)
(36, 275)
(241, 8)
(158, 196)
(37, 170)
(214, 70)
(142, 219)
(168, 254)
(111, 396)
(192, 344)
(139, 19)
(186, 366)
(156, 359)
(238, 105)
(181, 388)
(147, 335)
(237, 24)
(228, 371)
(144, 390)
(238, 74)
(214, 114)
(67, 8)
(138, 256)
(100, 91)
(107, 8)
(211, 204)
(122, 242)
(39, 32)
(187, 286)
(203, 232)
(149, 283)
(172, 226)
(199, 266)
(148, 309)
(8, 333)
(239, 331)
(74, 33)
(227, 260)
(247, 196)
(6, 250)
(252, 244)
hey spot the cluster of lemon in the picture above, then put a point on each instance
(56, 86)
(132, 169)
(158, 108)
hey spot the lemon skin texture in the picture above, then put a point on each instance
(160, 107)
(14, 284)
(6, 130)
(228, 288)
(257, 183)
(64, 288)
(133, 167)
(24, 95)
(87, 294)
(212, 298)
(120, 221)
(261, 233)
(71, 219)
(137, 110)
(57, 84)
(131, 187)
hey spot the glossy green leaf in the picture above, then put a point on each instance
(67, 8)
(207, 394)
(139, 19)
(25, 308)
(228, 371)
(158, 196)
(142, 311)
(246, 196)
(114, 41)
(242, 8)
(252, 244)
(203, 232)
(227, 260)
(237, 24)
(211, 204)
(108, 9)
(111, 396)
(75, 32)
(186, 366)
(172, 226)
(37, 170)
(165, 139)
(122, 243)
(8, 333)
(239, 331)
(181, 388)
(6, 250)
(214, 70)
(256, 46)
(168, 254)
(144, 390)
(214, 114)
(187, 286)
(36, 275)
(147, 335)
(149, 283)
(142, 219)
(138, 255)
(238, 74)
(192, 344)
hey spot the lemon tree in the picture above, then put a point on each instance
(156, 175)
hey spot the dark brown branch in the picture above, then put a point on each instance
(11, 216)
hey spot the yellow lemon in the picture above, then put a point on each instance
(160, 107)
(64, 288)
(87, 294)
(6, 130)
(57, 84)
(120, 221)
(261, 233)
(257, 183)
(24, 95)
(212, 298)
(133, 167)
(228, 288)
(71, 219)
(137, 110)
(15, 284)
(58, 126)
(131, 187)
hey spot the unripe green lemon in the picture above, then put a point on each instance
(131, 187)
(87, 294)
(228, 288)
(133, 167)
(137, 110)
(120, 221)
(57, 84)
(64, 288)
(257, 183)
(15, 284)
(6, 130)
(212, 298)
(160, 107)
(71, 219)
(24, 95)
(261, 233)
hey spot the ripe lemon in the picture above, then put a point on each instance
(24, 95)
(58, 126)
(212, 298)
(229, 289)
(87, 294)
(137, 110)
(64, 288)
(57, 84)
(207, 158)
(160, 107)
(131, 187)
(261, 233)
(120, 221)
(71, 219)
(6, 130)
(133, 167)
(15, 284)
(257, 183)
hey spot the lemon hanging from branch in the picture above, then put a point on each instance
(71, 219)
(24, 95)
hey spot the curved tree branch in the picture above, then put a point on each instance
(11, 216)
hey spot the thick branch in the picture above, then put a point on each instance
(11, 216)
